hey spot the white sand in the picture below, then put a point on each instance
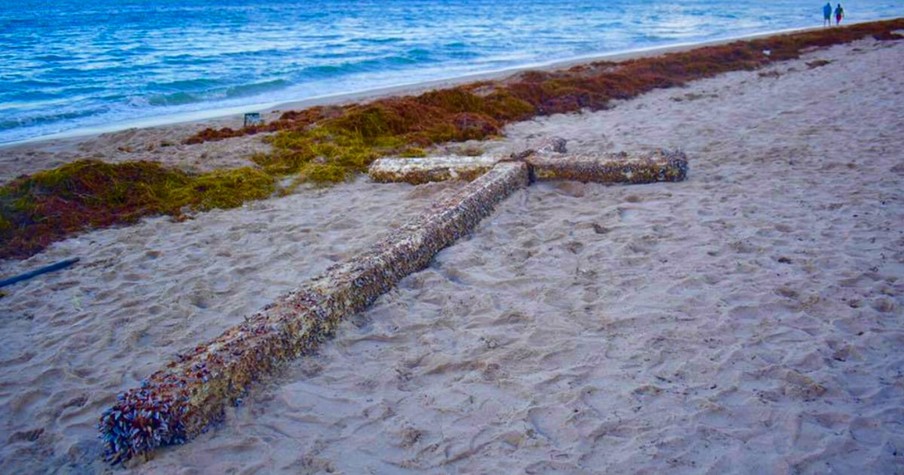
(747, 320)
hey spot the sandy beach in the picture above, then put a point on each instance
(748, 320)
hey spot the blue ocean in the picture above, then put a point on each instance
(74, 65)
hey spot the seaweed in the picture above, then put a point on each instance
(329, 144)
(50, 205)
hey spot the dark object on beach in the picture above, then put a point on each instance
(252, 119)
(43, 270)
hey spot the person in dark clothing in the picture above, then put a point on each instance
(827, 14)
(839, 14)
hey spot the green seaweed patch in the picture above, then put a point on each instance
(323, 173)
(50, 205)
(223, 189)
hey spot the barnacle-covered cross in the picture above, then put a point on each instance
(181, 400)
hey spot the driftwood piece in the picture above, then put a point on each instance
(42, 270)
(423, 170)
(661, 165)
(545, 164)
(178, 402)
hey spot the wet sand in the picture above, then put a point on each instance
(747, 320)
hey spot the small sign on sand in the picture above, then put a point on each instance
(253, 118)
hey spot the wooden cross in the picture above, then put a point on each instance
(180, 401)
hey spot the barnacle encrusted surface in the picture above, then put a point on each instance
(178, 402)
(545, 164)
(661, 165)
(423, 170)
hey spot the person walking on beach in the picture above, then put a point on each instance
(827, 14)
(839, 14)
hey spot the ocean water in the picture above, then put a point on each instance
(74, 65)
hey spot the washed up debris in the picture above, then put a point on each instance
(43, 270)
(661, 165)
(545, 164)
(423, 170)
(180, 401)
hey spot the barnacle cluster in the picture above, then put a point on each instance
(178, 402)
(45, 207)
(145, 418)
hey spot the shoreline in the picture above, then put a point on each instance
(220, 117)
(179, 169)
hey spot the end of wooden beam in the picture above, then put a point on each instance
(661, 165)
